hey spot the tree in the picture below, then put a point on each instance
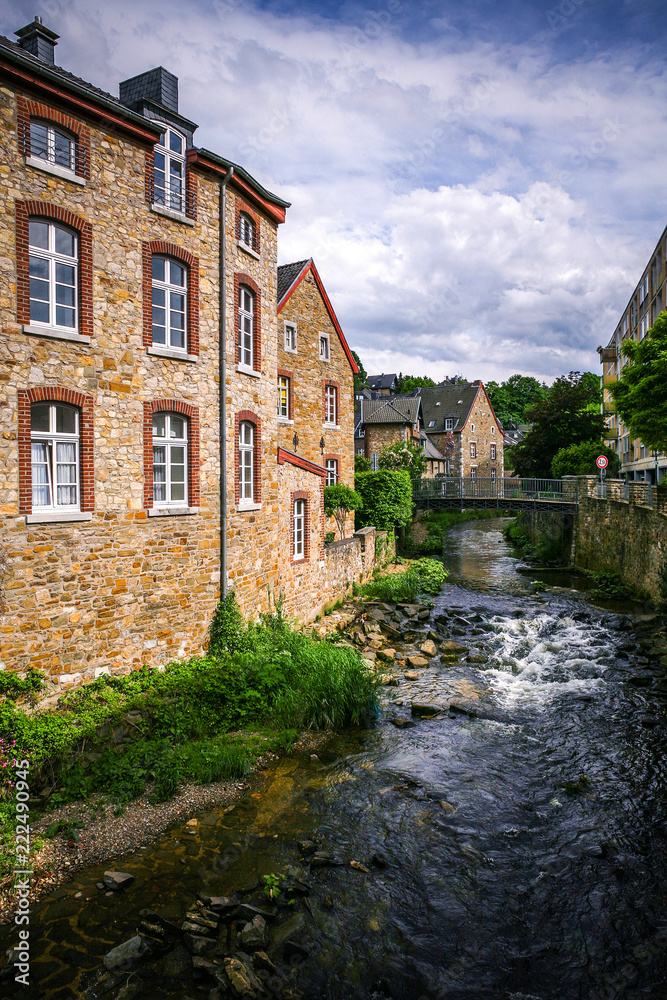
(387, 497)
(339, 500)
(406, 383)
(579, 460)
(361, 378)
(403, 455)
(361, 464)
(568, 414)
(641, 392)
(512, 398)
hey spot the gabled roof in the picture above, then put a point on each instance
(382, 381)
(430, 450)
(447, 401)
(392, 410)
(290, 277)
(56, 84)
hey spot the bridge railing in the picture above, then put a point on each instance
(484, 488)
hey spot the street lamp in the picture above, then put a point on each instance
(657, 470)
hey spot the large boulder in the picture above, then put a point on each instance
(125, 954)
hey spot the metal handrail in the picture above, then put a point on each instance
(482, 487)
(40, 151)
(185, 204)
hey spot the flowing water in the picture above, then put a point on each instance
(518, 853)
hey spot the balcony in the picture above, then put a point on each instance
(608, 354)
(610, 433)
(610, 378)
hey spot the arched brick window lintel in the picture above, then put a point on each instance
(166, 405)
(165, 249)
(248, 416)
(71, 397)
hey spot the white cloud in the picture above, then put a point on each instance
(484, 209)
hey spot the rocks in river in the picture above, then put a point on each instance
(220, 904)
(411, 675)
(463, 708)
(292, 950)
(129, 990)
(452, 648)
(307, 847)
(476, 658)
(242, 980)
(429, 648)
(248, 912)
(402, 723)
(447, 807)
(386, 654)
(198, 945)
(422, 711)
(261, 960)
(417, 661)
(321, 859)
(175, 964)
(117, 880)
(256, 936)
(125, 954)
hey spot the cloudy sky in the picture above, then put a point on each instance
(480, 182)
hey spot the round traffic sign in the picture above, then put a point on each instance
(602, 462)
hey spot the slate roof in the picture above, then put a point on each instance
(382, 381)
(455, 402)
(392, 410)
(287, 275)
(58, 75)
(430, 450)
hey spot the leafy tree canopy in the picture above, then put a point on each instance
(361, 464)
(511, 399)
(387, 497)
(361, 378)
(339, 500)
(568, 414)
(403, 455)
(579, 460)
(641, 392)
(406, 383)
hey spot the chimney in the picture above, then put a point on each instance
(38, 40)
(156, 85)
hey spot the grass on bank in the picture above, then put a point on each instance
(437, 524)
(264, 678)
(424, 576)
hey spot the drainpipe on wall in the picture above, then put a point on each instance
(222, 371)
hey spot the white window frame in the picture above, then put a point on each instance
(330, 406)
(299, 530)
(493, 475)
(643, 326)
(325, 347)
(289, 333)
(168, 288)
(449, 424)
(246, 463)
(473, 449)
(283, 397)
(246, 225)
(246, 337)
(431, 423)
(168, 443)
(472, 428)
(51, 439)
(473, 472)
(493, 428)
(375, 461)
(493, 453)
(53, 258)
(48, 153)
(331, 465)
(171, 200)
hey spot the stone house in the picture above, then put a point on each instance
(315, 376)
(463, 410)
(385, 421)
(142, 472)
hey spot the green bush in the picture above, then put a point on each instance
(579, 460)
(387, 499)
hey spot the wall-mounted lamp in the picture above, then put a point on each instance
(295, 440)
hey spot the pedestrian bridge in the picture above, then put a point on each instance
(515, 494)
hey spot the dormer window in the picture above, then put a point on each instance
(449, 424)
(52, 144)
(169, 172)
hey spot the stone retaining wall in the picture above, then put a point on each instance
(353, 560)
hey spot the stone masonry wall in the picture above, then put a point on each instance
(124, 588)
(486, 433)
(626, 537)
(308, 374)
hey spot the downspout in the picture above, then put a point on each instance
(222, 372)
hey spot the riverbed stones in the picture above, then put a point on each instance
(411, 675)
(476, 658)
(424, 711)
(175, 964)
(256, 936)
(117, 880)
(429, 648)
(125, 954)
(198, 945)
(417, 661)
(401, 723)
(220, 904)
(450, 647)
(386, 654)
(242, 981)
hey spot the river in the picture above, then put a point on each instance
(541, 876)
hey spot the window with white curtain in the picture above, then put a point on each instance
(170, 460)
(54, 452)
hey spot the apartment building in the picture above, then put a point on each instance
(643, 308)
(142, 469)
